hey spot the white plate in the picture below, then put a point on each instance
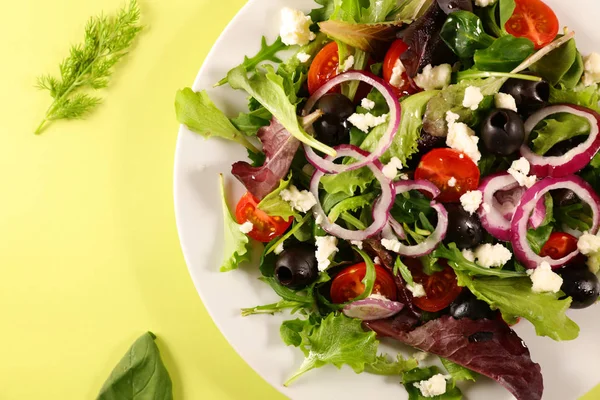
(570, 368)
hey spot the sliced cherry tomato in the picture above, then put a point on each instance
(391, 57)
(441, 287)
(534, 20)
(348, 283)
(324, 67)
(266, 228)
(439, 166)
(559, 244)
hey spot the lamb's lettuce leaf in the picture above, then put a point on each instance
(236, 244)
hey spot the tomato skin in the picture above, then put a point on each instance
(441, 287)
(391, 57)
(559, 244)
(324, 67)
(534, 20)
(266, 228)
(440, 165)
(347, 284)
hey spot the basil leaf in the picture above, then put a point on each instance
(463, 32)
(140, 374)
(505, 54)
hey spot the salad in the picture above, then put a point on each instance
(423, 170)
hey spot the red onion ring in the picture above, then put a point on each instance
(521, 248)
(326, 164)
(381, 207)
(371, 309)
(573, 160)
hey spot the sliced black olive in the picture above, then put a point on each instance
(464, 229)
(528, 95)
(503, 132)
(468, 306)
(296, 266)
(335, 104)
(333, 128)
(581, 284)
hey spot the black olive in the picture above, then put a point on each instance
(333, 128)
(528, 95)
(503, 132)
(296, 266)
(468, 306)
(564, 197)
(335, 104)
(581, 284)
(464, 229)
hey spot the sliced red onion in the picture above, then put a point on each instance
(326, 164)
(523, 251)
(573, 160)
(539, 214)
(433, 240)
(372, 308)
(397, 227)
(381, 207)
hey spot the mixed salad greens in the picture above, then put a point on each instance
(428, 172)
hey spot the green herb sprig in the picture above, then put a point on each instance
(90, 65)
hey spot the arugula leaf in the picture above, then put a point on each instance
(140, 374)
(514, 298)
(267, 52)
(458, 372)
(351, 204)
(348, 181)
(399, 266)
(290, 299)
(587, 96)
(197, 111)
(236, 244)
(267, 88)
(463, 32)
(274, 205)
(507, 8)
(338, 340)
(458, 262)
(420, 374)
(558, 128)
(383, 366)
(564, 60)
(267, 261)
(505, 54)
(408, 206)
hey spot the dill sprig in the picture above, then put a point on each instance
(90, 64)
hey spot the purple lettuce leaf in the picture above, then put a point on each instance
(279, 147)
(488, 347)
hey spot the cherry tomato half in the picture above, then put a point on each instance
(348, 283)
(534, 20)
(559, 244)
(265, 227)
(324, 67)
(441, 287)
(391, 57)
(439, 166)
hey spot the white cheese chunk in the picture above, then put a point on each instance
(365, 122)
(437, 77)
(318, 219)
(504, 100)
(299, 200)
(588, 244)
(473, 97)
(391, 169)
(397, 78)
(279, 248)
(367, 104)
(519, 170)
(391, 244)
(246, 227)
(591, 74)
(417, 290)
(376, 261)
(357, 243)
(452, 182)
(469, 255)
(490, 256)
(434, 386)
(420, 356)
(462, 138)
(295, 27)
(471, 200)
(326, 247)
(303, 57)
(544, 279)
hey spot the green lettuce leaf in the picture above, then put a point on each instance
(293, 332)
(514, 298)
(505, 54)
(197, 111)
(275, 206)
(351, 204)
(458, 262)
(338, 340)
(410, 10)
(236, 244)
(348, 181)
(420, 374)
(268, 89)
(252, 121)
(507, 8)
(458, 372)
(324, 12)
(463, 33)
(582, 96)
(383, 365)
(562, 65)
(367, 37)
(558, 128)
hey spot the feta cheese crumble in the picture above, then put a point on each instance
(544, 279)
(471, 200)
(376, 261)
(588, 244)
(303, 57)
(357, 243)
(469, 255)
(420, 356)
(326, 247)
(473, 97)
(490, 256)
(299, 200)
(246, 227)
(397, 78)
(461, 137)
(437, 77)
(434, 386)
(591, 74)
(391, 244)
(391, 169)
(348, 63)
(279, 249)
(503, 100)
(367, 104)
(485, 3)
(295, 27)
(365, 122)
(452, 182)
(519, 170)
(417, 290)
(318, 219)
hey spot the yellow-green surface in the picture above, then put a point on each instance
(89, 252)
